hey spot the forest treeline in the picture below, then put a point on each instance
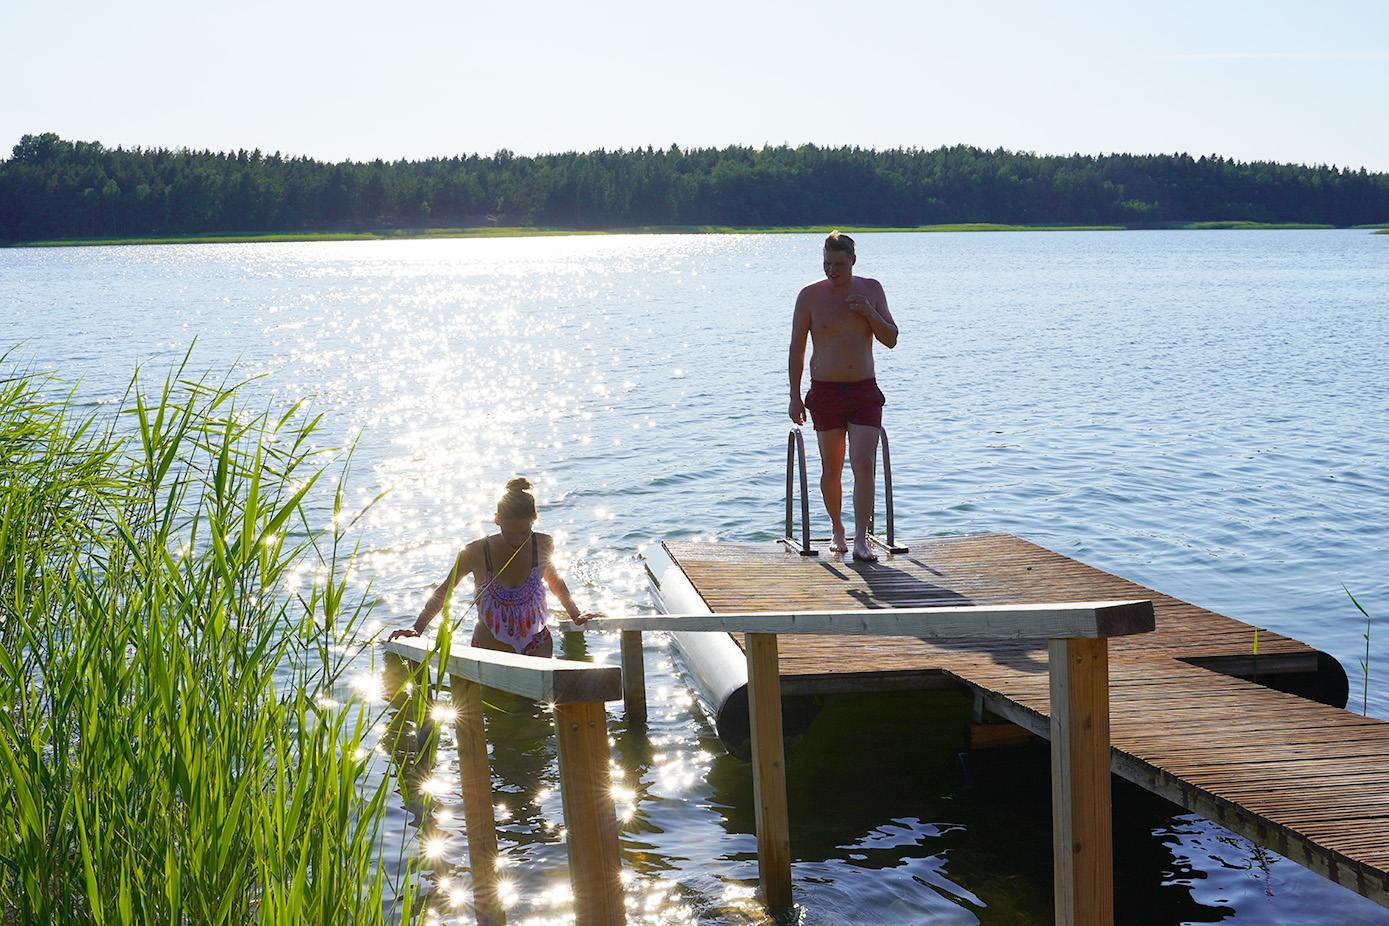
(52, 188)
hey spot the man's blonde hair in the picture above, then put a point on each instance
(838, 242)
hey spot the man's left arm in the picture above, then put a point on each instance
(879, 318)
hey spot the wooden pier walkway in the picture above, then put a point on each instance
(1304, 779)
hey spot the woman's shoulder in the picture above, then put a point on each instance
(473, 548)
(547, 543)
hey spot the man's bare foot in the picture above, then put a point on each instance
(837, 542)
(863, 553)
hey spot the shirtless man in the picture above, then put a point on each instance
(842, 314)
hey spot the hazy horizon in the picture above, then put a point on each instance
(1275, 81)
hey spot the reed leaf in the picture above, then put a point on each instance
(1364, 663)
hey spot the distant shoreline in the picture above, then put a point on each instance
(403, 234)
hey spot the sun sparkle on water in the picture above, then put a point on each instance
(593, 344)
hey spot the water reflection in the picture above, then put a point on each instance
(1157, 405)
(888, 814)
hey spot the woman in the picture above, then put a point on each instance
(508, 569)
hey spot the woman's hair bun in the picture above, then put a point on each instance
(517, 502)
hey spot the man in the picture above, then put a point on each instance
(842, 314)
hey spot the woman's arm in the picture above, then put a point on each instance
(557, 585)
(464, 565)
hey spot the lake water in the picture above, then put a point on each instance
(1201, 412)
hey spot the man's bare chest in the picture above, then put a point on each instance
(837, 320)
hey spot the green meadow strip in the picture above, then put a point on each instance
(384, 234)
(170, 748)
(525, 231)
(1245, 226)
(867, 229)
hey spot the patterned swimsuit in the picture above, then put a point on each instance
(516, 616)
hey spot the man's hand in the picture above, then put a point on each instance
(797, 411)
(859, 304)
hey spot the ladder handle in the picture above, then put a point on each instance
(790, 490)
(887, 484)
(795, 450)
(805, 493)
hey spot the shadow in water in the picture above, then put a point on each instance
(883, 784)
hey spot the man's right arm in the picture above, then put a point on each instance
(795, 365)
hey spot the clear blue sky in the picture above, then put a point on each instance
(1294, 82)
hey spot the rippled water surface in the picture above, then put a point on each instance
(1200, 412)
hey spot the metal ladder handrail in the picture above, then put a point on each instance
(891, 544)
(795, 448)
(795, 453)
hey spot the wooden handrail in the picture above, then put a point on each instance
(1066, 620)
(553, 681)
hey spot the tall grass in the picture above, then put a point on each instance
(172, 630)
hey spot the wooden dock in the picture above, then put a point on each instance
(1192, 716)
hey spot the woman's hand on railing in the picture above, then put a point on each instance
(587, 616)
(403, 632)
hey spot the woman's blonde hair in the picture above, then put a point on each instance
(518, 502)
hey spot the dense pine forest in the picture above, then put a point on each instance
(54, 189)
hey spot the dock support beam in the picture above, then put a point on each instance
(1083, 840)
(633, 679)
(769, 773)
(475, 778)
(595, 865)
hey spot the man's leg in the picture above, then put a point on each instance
(863, 460)
(831, 475)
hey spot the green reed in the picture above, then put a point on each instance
(1364, 663)
(173, 629)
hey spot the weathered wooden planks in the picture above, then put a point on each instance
(1298, 777)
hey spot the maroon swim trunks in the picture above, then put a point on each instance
(838, 405)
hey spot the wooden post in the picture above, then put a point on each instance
(595, 865)
(478, 813)
(769, 772)
(633, 678)
(1082, 836)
